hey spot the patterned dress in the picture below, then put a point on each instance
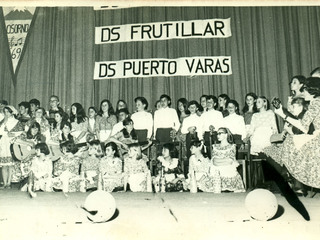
(105, 125)
(22, 168)
(78, 128)
(263, 125)
(90, 168)
(136, 172)
(66, 173)
(12, 126)
(172, 173)
(230, 178)
(207, 177)
(301, 153)
(42, 172)
(111, 173)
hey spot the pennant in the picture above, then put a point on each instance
(17, 21)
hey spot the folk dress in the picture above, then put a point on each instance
(110, 169)
(301, 153)
(230, 178)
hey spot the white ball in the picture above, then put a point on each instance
(261, 204)
(101, 202)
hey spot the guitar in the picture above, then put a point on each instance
(23, 150)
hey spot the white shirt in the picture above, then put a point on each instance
(143, 120)
(236, 124)
(192, 121)
(211, 117)
(166, 118)
(117, 128)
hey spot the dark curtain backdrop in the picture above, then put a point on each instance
(268, 46)
(6, 71)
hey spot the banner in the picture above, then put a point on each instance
(156, 67)
(17, 22)
(209, 28)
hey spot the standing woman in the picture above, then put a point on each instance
(263, 125)
(142, 119)
(301, 153)
(234, 122)
(105, 120)
(120, 105)
(223, 100)
(9, 128)
(182, 109)
(79, 123)
(250, 107)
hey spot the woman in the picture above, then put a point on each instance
(10, 127)
(263, 125)
(142, 119)
(300, 153)
(296, 86)
(79, 123)
(55, 129)
(182, 109)
(223, 100)
(224, 160)
(250, 107)
(234, 122)
(120, 105)
(105, 120)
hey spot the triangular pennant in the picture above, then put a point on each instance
(18, 21)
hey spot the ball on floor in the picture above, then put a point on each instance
(261, 204)
(100, 206)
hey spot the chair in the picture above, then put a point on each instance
(243, 157)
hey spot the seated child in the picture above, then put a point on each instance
(66, 169)
(110, 169)
(90, 165)
(169, 169)
(136, 172)
(40, 175)
(201, 172)
(224, 160)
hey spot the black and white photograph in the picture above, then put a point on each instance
(160, 120)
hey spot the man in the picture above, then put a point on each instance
(54, 107)
(164, 119)
(34, 105)
(211, 120)
(123, 113)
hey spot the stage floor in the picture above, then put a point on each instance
(151, 216)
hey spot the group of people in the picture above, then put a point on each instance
(107, 148)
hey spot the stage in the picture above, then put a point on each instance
(151, 216)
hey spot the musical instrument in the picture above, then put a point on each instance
(22, 150)
(276, 102)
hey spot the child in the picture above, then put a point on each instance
(110, 169)
(92, 124)
(224, 160)
(126, 136)
(66, 132)
(66, 169)
(136, 171)
(40, 176)
(201, 171)
(90, 166)
(169, 171)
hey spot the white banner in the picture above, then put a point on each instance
(157, 67)
(209, 28)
